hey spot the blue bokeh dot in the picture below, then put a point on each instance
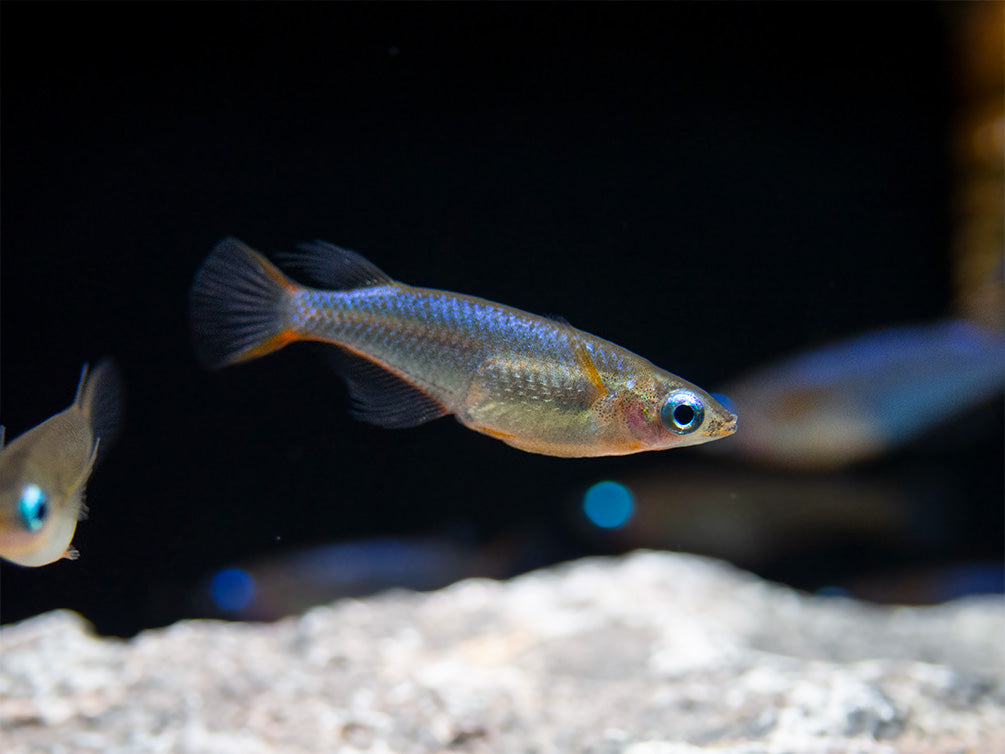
(232, 589)
(608, 505)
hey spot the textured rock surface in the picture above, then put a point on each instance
(648, 654)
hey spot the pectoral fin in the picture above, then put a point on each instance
(81, 479)
(585, 361)
(582, 357)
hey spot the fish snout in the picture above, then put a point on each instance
(722, 426)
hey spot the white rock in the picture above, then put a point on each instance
(653, 653)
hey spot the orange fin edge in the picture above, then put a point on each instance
(267, 346)
(496, 433)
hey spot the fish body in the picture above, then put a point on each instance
(858, 398)
(44, 471)
(415, 354)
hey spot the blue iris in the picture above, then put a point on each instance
(683, 412)
(608, 505)
(33, 507)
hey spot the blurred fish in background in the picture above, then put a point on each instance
(289, 583)
(44, 471)
(753, 518)
(926, 584)
(863, 397)
(835, 533)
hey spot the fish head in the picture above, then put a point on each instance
(669, 412)
(37, 520)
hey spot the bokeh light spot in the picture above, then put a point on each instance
(232, 589)
(608, 505)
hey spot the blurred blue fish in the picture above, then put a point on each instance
(884, 537)
(290, 583)
(754, 518)
(859, 398)
(928, 584)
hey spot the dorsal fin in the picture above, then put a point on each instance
(78, 397)
(99, 396)
(326, 265)
(381, 397)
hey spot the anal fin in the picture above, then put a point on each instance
(381, 397)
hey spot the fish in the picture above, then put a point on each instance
(760, 518)
(859, 398)
(44, 471)
(289, 583)
(410, 355)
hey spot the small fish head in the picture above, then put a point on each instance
(35, 524)
(672, 413)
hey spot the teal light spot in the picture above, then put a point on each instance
(232, 589)
(608, 505)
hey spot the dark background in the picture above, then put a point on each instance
(708, 185)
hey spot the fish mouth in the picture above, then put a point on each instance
(722, 427)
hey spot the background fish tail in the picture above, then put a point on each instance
(236, 306)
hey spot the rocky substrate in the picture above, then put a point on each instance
(653, 653)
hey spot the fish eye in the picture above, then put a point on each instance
(33, 507)
(683, 412)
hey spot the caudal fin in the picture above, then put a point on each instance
(237, 306)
